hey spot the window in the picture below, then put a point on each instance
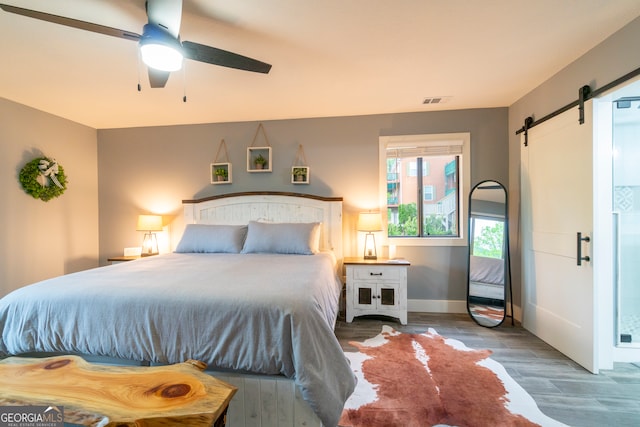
(488, 237)
(429, 193)
(424, 178)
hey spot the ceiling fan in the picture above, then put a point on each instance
(160, 45)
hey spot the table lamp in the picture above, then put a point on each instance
(370, 222)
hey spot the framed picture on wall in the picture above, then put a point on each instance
(300, 174)
(259, 159)
(221, 173)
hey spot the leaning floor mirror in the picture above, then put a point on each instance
(489, 272)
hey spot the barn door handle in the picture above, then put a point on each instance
(579, 257)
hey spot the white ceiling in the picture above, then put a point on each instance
(330, 57)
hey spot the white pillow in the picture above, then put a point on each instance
(302, 238)
(212, 238)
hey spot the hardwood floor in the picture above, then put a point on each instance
(562, 389)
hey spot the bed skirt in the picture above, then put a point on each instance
(266, 401)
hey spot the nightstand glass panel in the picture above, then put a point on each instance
(387, 296)
(364, 296)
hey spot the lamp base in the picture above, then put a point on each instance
(370, 247)
(149, 244)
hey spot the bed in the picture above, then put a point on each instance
(486, 278)
(252, 290)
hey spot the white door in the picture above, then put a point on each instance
(557, 204)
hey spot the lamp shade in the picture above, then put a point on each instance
(370, 221)
(149, 223)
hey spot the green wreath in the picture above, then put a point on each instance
(43, 178)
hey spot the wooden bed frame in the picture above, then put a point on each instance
(263, 400)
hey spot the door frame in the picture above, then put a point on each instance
(604, 288)
(606, 295)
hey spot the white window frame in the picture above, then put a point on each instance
(428, 140)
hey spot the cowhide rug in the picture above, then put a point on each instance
(428, 380)
(494, 314)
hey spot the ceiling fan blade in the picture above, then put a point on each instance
(157, 78)
(69, 22)
(165, 13)
(215, 56)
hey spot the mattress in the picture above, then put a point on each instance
(486, 270)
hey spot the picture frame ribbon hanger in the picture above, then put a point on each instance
(255, 137)
(300, 159)
(222, 146)
(299, 170)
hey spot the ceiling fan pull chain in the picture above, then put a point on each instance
(139, 85)
(184, 83)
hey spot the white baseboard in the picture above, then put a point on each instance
(447, 306)
(437, 306)
(626, 354)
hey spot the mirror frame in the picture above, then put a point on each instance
(506, 268)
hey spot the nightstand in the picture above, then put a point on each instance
(376, 287)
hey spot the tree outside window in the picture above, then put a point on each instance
(488, 240)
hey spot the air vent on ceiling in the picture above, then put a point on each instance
(436, 100)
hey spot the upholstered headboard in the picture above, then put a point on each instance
(240, 208)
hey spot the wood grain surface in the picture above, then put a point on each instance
(104, 395)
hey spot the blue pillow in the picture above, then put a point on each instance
(212, 238)
(282, 238)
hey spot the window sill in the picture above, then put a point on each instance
(428, 241)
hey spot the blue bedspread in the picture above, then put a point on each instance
(259, 313)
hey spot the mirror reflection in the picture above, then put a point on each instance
(488, 255)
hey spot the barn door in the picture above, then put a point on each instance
(557, 225)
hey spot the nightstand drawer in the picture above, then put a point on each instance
(378, 273)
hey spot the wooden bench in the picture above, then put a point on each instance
(92, 394)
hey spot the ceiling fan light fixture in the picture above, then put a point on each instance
(159, 49)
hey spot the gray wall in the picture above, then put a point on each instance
(612, 59)
(152, 169)
(40, 239)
